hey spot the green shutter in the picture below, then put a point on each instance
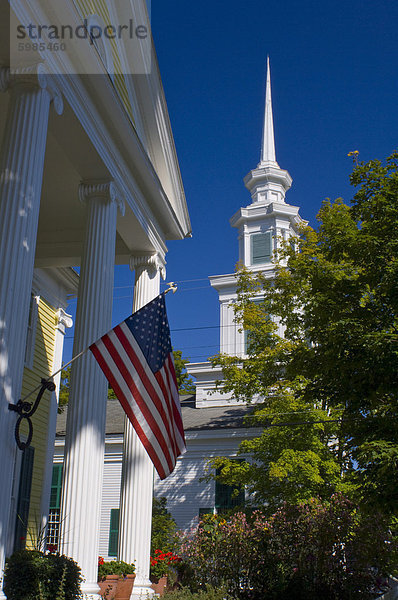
(113, 532)
(56, 487)
(261, 247)
(25, 485)
(225, 499)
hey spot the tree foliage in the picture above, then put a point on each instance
(306, 551)
(65, 386)
(335, 295)
(184, 380)
(163, 532)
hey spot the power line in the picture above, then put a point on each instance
(131, 286)
(342, 420)
(188, 329)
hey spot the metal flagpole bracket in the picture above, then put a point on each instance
(25, 411)
(172, 287)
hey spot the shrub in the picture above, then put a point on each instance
(163, 533)
(114, 567)
(307, 551)
(33, 575)
(209, 593)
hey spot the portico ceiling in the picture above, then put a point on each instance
(71, 159)
(94, 140)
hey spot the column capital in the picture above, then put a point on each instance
(64, 319)
(36, 76)
(153, 261)
(107, 191)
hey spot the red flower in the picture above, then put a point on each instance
(100, 561)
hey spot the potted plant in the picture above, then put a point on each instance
(162, 564)
(115, 579)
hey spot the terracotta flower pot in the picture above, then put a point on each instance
(125, 587)
(159, 586)
(108, 586)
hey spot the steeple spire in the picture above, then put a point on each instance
(268, 146)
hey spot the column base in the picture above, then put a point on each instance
(91, 591)
(142, 591)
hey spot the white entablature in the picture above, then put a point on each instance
(262, 226)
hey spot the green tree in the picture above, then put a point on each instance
(336, 295)
(64, 389)
(185, 382)
(163, 535)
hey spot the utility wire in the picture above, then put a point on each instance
(116, 298)
(342, 420)
(187, 329)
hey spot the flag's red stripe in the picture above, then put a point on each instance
(161, 375)
(173, 371)
(175, 415)
(129, 412)
(176, 404)
(153, 425)
(166, 395)
(162, 438)
(158, 401)
(126, 406)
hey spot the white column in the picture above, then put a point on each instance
(137, 472)
(64, 321)
(21, 173)
(85, 428)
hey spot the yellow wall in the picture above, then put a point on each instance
(43, 360)
(100, 8)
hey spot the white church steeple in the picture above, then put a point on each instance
(268, 218)
(268, 182)
(262, 226)
(268, 145)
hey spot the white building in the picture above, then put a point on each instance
(89, 177)
(213, 422)
(209, 432)
(261, 225)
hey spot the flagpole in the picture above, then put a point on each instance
(172, 288)
(56, 373)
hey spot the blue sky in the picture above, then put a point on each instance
(334, 73)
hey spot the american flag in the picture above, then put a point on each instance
(137, 359)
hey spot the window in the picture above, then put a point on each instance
(31, 334)
(261, 248)
(225, 497)
(25, 485)
(205, 511)
(56, 486)
(55, 505)
(113, 532)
